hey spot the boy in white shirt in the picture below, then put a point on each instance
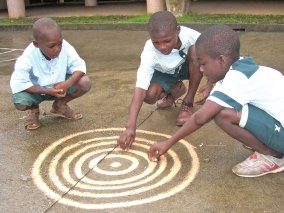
(167, 59)
(49, 69)
(247, 102)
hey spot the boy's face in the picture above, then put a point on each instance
(50, 45)
(166, 41)
(214, 69)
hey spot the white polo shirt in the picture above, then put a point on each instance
(152, 59)
(248, 83)
(33, 69)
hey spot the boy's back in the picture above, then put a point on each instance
(248, 83)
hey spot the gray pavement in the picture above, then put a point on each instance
(43, 170)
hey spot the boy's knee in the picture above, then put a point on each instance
(149, 101)
(21, 107)
(151, 97)
(85, 83)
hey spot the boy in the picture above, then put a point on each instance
(167, 59)
(247, 102)
(49, 69)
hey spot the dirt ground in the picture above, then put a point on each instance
(75, 166)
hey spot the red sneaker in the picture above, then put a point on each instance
(258, 164)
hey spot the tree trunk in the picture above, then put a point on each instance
(155, 6)
(16, 8)
(178, 7)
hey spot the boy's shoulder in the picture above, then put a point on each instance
(184, 30)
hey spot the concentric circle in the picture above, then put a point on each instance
(102, 176)
(9, 54)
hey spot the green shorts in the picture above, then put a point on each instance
(265, 128)
(32, 99)
(167, 80)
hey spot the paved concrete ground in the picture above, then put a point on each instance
(38, 168)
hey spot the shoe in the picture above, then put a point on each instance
(186, 110)
(32, 119)
(258, 165)
(175, 92)
(66, 112)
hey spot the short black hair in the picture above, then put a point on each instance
(219, 40)
(162, 21)
(44, 26)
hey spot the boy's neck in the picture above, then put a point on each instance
(178, 45)
(47, 58)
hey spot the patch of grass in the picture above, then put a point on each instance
(189, 18)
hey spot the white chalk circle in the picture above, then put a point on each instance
(9, 54)
(115, 178)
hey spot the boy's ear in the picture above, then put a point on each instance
(35, 43)
(222, 59)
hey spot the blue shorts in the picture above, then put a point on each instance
(265, 128)
(32, 99)
(167, 80)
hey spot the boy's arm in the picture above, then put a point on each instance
(128, 136)
(64, 85)
(43, 90)
(206, 113)
(204, 92)
(59, 89)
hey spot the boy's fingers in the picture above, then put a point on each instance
(153, 155)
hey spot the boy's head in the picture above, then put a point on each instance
(47, 37)
(164, 32)
(217, 49)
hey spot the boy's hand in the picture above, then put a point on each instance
(204, 92)
(57, 92)
(62, 87)
(158, 149)
(126, 139)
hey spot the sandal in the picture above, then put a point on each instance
(66, 112)
(168, 100)
(32, 119)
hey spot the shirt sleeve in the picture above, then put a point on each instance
(75, 62)
(231, 91)
(20, 78)
(146, 68)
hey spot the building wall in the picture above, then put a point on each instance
(3, 4)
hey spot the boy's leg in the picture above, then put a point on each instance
(164, 90)
(60, 106)
(153, 93)
(175, 92)
(194, 76)
(28, 102)
(268, 157)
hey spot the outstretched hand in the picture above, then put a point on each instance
(126, 139)
(158, 149)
